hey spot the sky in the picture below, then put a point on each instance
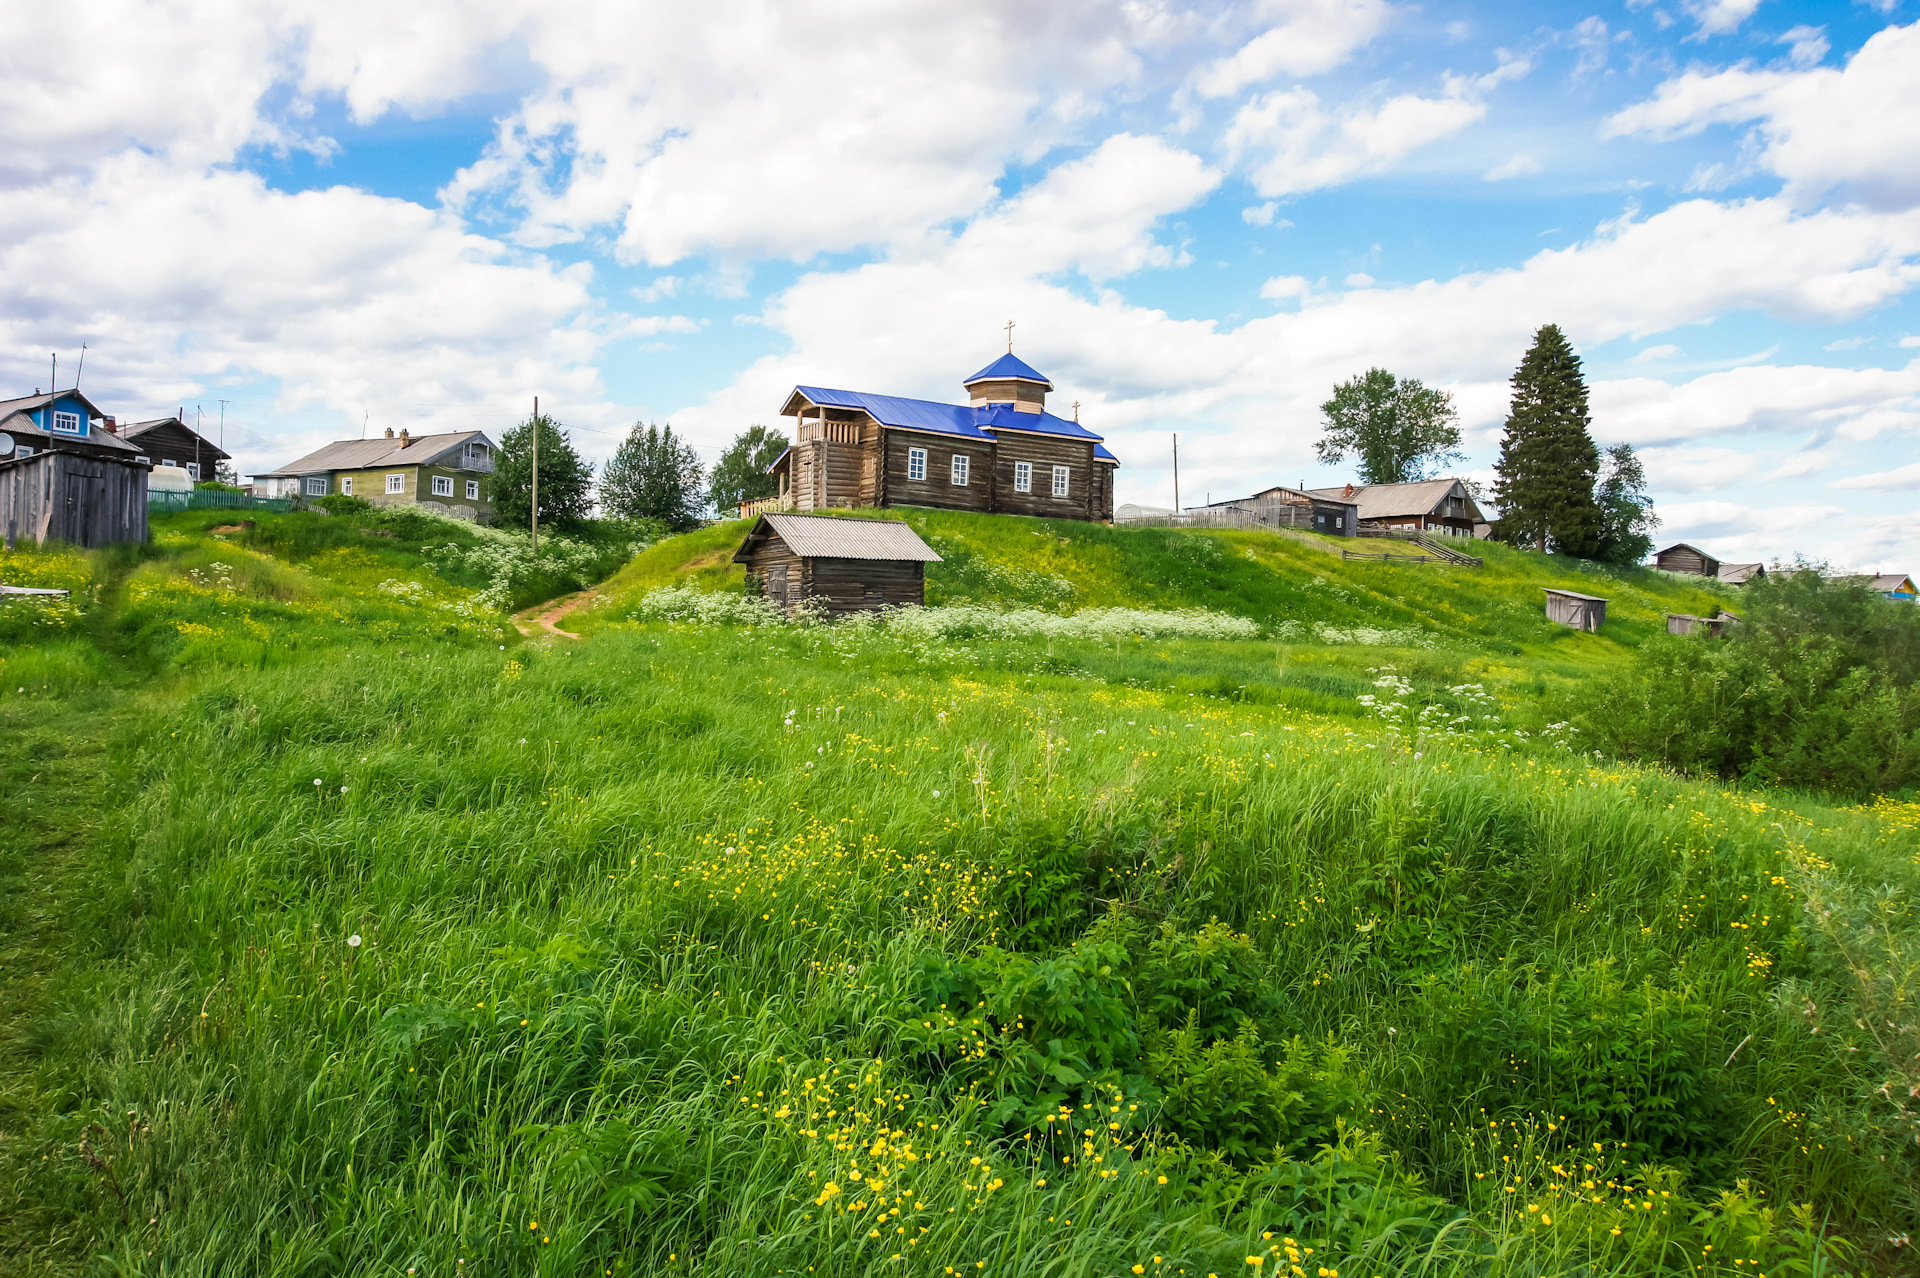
(306, 220)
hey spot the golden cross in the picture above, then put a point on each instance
(1076, 410)
(1009, 337)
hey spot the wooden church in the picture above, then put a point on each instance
(1001, 452)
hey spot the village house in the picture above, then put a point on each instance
(1297, 508)
(1000, 452)
(65, 421)
(1682, 558)
(169, 441)
(848, 565)
(1428, 506)
(446, 472)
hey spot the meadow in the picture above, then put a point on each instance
(398, 944)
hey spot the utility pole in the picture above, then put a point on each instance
(1176, 476)
(82, 368)
(223, 430)
(535, 423)
(199, 424)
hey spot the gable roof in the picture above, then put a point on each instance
(1739, 574)
(959, 420)
(15, 421)
(27, 403)
(366, 454)
(1008, 367)
(1573, 594)
(1681, 545)
(134, 430)
(832, 537)
(1318, 495)
(1892, 581)
(1389, 501)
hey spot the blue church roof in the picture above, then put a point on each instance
(1008, 366)
(949, 419)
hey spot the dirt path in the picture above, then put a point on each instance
(531, 622)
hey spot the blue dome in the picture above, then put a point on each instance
(1008, 367)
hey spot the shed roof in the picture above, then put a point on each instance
(1573, 594)
(1740, 574)
(135, 430)
(364, 454)
(1389, 501)
(1319, 495)
(833, 537)
(1008, 367)
(1681, 545)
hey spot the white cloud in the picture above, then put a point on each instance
(1691, 470)
(1519, 166)
(1853, 403)
(1283, 288)
(1719, 17)
(1851, 131)
(1590, 37)
(1655, 353)
(1260, 214)
(1805, 45)
(343, 299)
(1310, 36)
(1294, 144)
(1899, 478)
(1359, 279)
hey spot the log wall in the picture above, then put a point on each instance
(88, 501)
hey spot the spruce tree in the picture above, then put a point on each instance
(1548, 460)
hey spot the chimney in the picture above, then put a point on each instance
(406, 440)
(389, 432)
(112, 424)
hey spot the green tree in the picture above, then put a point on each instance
(1627, 520)
(1548, 461)
(654, 475)
(741, 473)
(566, 478)
(1399, 429)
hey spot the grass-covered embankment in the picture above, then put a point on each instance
(740, 952)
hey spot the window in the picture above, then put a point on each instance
(144, 458)
(21, 450)
(168, 461)
(916, 464)
(1023, 477)
(193, 468)
(346, 485)
(396, 483)
(1060, 481)
(67, 423)
(442, 486)
(960, 469)
(316, 485)
(473, 490)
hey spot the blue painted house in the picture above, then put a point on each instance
(1002, 452)
(64, 421)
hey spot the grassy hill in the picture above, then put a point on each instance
(346, 932)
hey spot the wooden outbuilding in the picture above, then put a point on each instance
(68, 496)
(850, 565)
(1282, 507)
(1570, 608)
(1685, 623)
(1680, 557)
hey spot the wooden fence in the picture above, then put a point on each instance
(89, 501)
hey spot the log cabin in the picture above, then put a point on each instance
(1691, 560)
(1428, 506)
(849, 565)
(1297, 508)
(1001, 452)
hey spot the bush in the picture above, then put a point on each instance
(341, 504)
(1814, 688)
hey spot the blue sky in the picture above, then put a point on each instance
(1200, 217)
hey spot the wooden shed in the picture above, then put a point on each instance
(1570, 608)
(72, 497)
(1680, 557)
(851, 565)
(1685, 623)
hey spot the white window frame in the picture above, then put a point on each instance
(346, 485)
(144, 458)
(1023, 477)
(917, 465)
(1062, 480)
(68, 424)
(168, 461)
(961, 470)
(316, 486)
(447, 491)
(193, 468)
(396, 483)
(473, 490)
(22, 450)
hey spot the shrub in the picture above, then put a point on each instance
(341, 504)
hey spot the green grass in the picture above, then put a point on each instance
(660, 934)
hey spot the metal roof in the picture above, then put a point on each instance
(1009, 367)
(1390, 501)
(19, 421)
(366, 454)
(1739, 574)
(945, 419)
(832, 537)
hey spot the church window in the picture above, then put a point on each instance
(960, 469)
(916, 464)
(1060, 474)
(1023, 477)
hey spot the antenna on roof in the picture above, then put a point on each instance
(1009, 337)
(82, 368)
